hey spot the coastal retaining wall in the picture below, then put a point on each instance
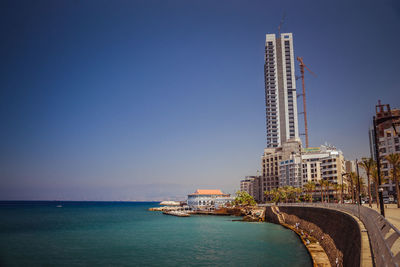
(337, 232)
(270, 216)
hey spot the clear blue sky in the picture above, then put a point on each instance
(118, 100)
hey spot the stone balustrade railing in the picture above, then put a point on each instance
(384, 237)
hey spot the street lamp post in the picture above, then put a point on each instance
(342, 186)
(359, 184)
(378, 168)
(347, 175)
(359, 189)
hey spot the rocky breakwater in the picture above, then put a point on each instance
(253, 214)
(177, 213)
(169, 206)
(230, 211)
(165, 208)
(249, 213)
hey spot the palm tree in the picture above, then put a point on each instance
(342, 187)
(325, 183)
(362, 187)
(275, 195)
(291, 193)
(321, 185)
(375, 179)
(367, 164)
(244, 199)
(312, 187)
(394, 160)
(307, 197)
(350, 178)
(374, 176)
(267, 195)
(272, 195)
(309, 187)
(336, 188)
(356, 185)
(298, 192)
(306, 189)
(328, 185)
(283, 193)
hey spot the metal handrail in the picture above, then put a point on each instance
(382, 234)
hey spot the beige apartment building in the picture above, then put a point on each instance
(292, 165)
(323, 163)
(251, 185)
(276, 159)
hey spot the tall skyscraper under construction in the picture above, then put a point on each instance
(280, 90)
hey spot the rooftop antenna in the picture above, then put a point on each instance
(281, 24)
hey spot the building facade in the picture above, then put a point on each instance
(389, 143)
(311, 164)
(290, 172)
(252, 185)
(388, 134)
(280, 90)
(324, 162)
(284, 158)
(208, 199)
(284, 162)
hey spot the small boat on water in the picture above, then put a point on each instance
(59, 206)
(176, 213)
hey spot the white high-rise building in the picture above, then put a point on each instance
(280, 90)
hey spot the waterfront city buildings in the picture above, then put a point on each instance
(284, 161)
(324, 162)
(208, 199)
(292, 165)
(290, 172)
(280, 166)
(351, 166)
(389, 143)
(280, 89)
(252, 185)
(388, 134)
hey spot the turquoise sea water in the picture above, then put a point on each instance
(126, 234)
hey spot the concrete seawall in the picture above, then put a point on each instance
(337, 232)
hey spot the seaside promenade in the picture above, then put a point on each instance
(392, 213)
(383, 234)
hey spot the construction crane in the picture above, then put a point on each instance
(302, 66)
(281, 24)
